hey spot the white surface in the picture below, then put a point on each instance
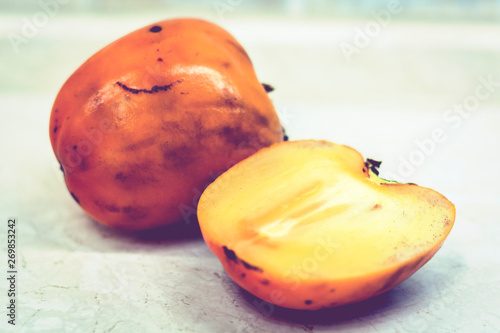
(77, 276)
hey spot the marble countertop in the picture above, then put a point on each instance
(386, 101)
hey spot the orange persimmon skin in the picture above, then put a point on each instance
(145, 124)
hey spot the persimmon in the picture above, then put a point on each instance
(146, 123)
(309, 225)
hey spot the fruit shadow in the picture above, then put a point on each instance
(115, 239)
(344, 315)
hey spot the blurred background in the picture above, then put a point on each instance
(414, 84)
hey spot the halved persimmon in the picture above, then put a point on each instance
(308, 225)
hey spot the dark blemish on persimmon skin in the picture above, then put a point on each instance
(265, 282)
(120, 176)
(74, 197)
(308, 302)
(177, 157)
(135, 213)
(411, 184)
(239, 48)
(55, 129)
(267, 87)
(259, 119)
(285, 137)
(230, 100)
(251, 267)
(155, 28)
(153, 90)
(377, 206)
(391, 184)
(160, 59)
(226, 64)
(141, 144)
(232, 103)
(332, 290)
(230, 254)
(112, 208)
(83, 164)
(243, 275)
(235, 136)
(61, 167)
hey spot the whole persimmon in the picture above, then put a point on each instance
(146, 123)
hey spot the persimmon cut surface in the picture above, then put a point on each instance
(147, 122)
(308, 225)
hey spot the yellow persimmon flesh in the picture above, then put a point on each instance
(308, 225)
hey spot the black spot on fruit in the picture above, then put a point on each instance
(75, 197)
(265, 282)
(267, 87)
(160, 59)
(235, 136)
(61, 167)
(153, 89)
(243, 275)
(112, 208)
(55, 129)
(260, 119)
(120, 176)
(233, 257)
(251, 267)
(230, 254)
(141, 144)
(177, 157)
(308, 302)
(83, 164)
(155, 28)
(285, 137)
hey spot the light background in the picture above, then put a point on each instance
(386, 100)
